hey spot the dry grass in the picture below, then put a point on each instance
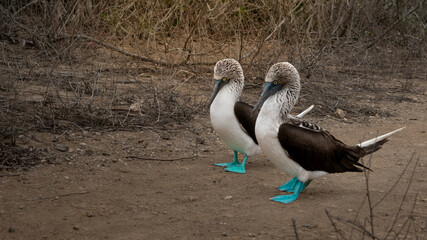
(59, 57)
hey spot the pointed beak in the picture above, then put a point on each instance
(217, 86)
(269, 90)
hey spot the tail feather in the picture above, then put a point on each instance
(303, 113)
(373, 147)
(378, 139)
(368, 147)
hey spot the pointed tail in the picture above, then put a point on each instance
(374, 144)
(303, 113)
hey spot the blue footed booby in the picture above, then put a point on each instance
(297, 147)
(231, 119)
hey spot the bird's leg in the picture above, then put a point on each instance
(305, 185)
(289, 186)
(233, 163)
(239, 168)
(299, 186)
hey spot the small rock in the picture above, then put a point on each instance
(76, 228)
(89, 214)
(224, 234)
(251, 234)
(228, 197)
(136, 106)
(62, 148)
(166, 136)
(200, 140)
(340, 113)
(193, 198)
(11, 230)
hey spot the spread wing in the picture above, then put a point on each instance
(247, 120)
(317, 150)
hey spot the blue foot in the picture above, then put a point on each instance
(229, 164)
(285, 198)
(239, 168)
(290, 198)
(289, 186)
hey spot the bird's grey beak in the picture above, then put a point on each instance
(217, 86)
(269, 90)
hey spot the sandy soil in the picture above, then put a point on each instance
(161, 184)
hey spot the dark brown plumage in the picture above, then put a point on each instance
(243, 112)
(318, 150)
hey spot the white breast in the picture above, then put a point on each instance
(226, 125)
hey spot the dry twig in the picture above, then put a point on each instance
(57, 196)
(160, 159)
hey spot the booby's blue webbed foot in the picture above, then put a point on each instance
(290, 186)
(229, 164)
(299, 186)
(239, 168)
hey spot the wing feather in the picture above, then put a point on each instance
(247, 120)
(316, 149)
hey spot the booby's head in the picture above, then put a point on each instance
(227, 72)
(281, 79)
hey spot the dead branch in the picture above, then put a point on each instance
(295, 229)
(160, 159)
(136, 56)
(257, 49)
(10, 175)
(356, 224)
(57, 196)
(397, 181)
(403, 198)
(333, 224)
(368, 195)
(393, 25)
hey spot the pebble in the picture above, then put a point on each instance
(200, 140)
(62, 148)
(340, 113)
(166, 136)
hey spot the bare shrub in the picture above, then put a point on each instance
(54, 54)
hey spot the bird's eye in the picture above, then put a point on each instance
(224, 79)
(275, 82)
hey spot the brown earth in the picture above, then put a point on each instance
(159, 182)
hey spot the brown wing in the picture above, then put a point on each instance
(318, 150)
(245, 117)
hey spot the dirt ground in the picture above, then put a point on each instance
(159, 183)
